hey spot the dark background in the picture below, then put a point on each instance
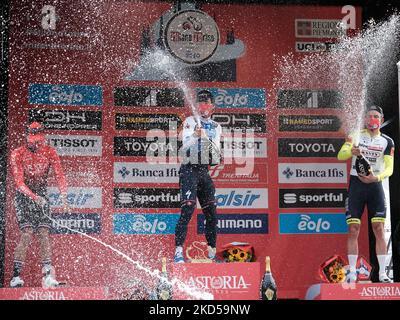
(386, 96)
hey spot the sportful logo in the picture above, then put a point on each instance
(77, 197)
(141, 172)
(145, 223)
(312, 223)
(237, 198)
(237, 223)
(65, 94)
(312, 198)
(76, 145)
(238, 97)
(312, 172)
(146, 198)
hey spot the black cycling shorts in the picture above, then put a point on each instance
(29, 214)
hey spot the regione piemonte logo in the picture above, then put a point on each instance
(312, 172)
(192, 36)
(319, 28)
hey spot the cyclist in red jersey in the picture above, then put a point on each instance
(30, 166)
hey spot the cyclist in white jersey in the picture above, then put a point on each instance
(378, 149)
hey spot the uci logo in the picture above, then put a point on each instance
(306, 224)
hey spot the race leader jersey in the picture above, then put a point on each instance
(374, 149)
(195, 144)
(31, 169)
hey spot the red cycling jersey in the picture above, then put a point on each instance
(30, 169)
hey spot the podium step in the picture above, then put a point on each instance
(354, 291)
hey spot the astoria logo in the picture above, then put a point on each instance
(43, 295)
(218, 282)
(380, 292)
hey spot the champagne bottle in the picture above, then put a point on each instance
(164, 287)
(362, 165)
(268, 288)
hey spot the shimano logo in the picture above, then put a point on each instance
(140, 224)
(74, 224)
(307, 224)
(232, 100)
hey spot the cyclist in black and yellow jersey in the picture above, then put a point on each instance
(378, 149)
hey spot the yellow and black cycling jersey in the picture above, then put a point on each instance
(378, 150)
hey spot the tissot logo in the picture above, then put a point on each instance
(240, 121)
(311, 99)
(312, 198)
(142, 146)
(141, 172)
(312, 172)
(140, 121)
(146, 97)
(309, 123)
(146, 198)
(76, 145)
(244, 147)
(67, 119)
(310, 147)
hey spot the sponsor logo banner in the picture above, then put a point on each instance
(312, 99)
(77, 197)
(237, 223)
(309, 147)
(319, 28)
(67, 119)
(244, 147)
(76, 145)
(239, 174)
(141, 172)
(142, 146)
(360, 291)
(304, 46)
(312, 223)
(312, 172)
(238, 97)
(147, 198)
(65, 94)
(147, 96)
(83, 222)
(312, 198)
(239, 198)
(309, 123)
(139, 121)
(64, 293)
(231, 122)
(241, 282)
(145, 223)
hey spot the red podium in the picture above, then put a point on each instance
(65, 293)
(225, 281)
(354, 291)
